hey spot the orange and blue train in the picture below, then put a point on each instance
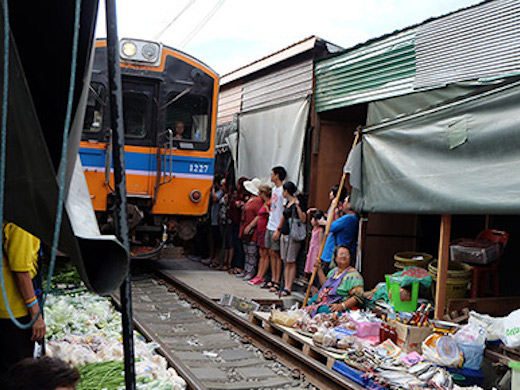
(169, 109)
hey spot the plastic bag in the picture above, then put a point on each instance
(506, 328)
(492, 325)
(441, 350)
(286, 318)
(471, 340)
(511, 329)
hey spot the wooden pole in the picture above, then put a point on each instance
(329, 222)
(442, 266)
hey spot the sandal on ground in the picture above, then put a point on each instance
(267, 285)
(275, 288)
(284, 293)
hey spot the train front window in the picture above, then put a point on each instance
(95, 106)
(187, 115)
(136, 113)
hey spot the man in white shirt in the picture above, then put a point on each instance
(272, 236)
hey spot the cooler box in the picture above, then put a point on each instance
(473, 251)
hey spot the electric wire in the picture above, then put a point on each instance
(202, 23)
(158, 35)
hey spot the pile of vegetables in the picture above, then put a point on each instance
(85, 330)
(110, 376)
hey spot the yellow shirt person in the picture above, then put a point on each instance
(21, 249)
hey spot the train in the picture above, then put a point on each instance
(169, 109)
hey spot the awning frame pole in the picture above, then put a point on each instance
(442, 266)
(330, 218)
(120, 212)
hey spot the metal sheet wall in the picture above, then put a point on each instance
(229, 103)
(475, 43)
(287, 84)
(377, 70)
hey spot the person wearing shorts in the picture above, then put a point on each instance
(289, 248)
(272, 235)
(270, 243)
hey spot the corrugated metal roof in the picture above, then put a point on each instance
(229, 103)
(378, 70)
(283, 85)
(281, 55)
(475, 43)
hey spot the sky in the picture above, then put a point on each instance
(229, 34)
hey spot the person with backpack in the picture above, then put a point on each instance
(293, 231)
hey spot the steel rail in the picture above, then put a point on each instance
(192, 382)
(315, 372)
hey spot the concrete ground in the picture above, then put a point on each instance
(213, 283)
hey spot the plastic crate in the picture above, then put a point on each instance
(473, 251)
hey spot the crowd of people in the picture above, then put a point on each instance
(259, 230)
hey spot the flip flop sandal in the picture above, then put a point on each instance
(284, 293)
(267, 285)
(275, 288)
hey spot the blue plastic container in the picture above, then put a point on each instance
(355, 376)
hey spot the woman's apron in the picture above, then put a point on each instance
(328, 294)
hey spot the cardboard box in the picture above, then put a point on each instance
(410, 338)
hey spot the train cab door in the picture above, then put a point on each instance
(140, 113)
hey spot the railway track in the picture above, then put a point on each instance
(212, 347)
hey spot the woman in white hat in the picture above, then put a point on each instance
(249, 236)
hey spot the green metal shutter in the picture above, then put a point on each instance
(373, 71)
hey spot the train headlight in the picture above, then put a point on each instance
(129, 49)
(195, 196)
(150, 51)
(137, 50)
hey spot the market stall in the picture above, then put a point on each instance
(455, 158)
(84, 330)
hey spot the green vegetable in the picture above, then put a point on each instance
(102, 375)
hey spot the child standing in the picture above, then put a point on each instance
(318, 232)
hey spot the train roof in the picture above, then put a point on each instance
(180, 52)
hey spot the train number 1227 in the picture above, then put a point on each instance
(199, 168)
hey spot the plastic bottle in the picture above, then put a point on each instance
(383, 330)
(423, 319)
(416, 314)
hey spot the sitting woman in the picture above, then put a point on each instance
(338, 287)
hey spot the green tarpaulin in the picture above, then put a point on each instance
(458, 158)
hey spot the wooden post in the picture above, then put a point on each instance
(330, 217)
(442, 266)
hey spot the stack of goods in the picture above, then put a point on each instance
(367, 325)
(418, 318)
(286, 318)
(85, 331)
(390, 367)
(309, 325)
(336, 339)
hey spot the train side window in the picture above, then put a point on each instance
(95, 107)
(136, 112)
(188, 116)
